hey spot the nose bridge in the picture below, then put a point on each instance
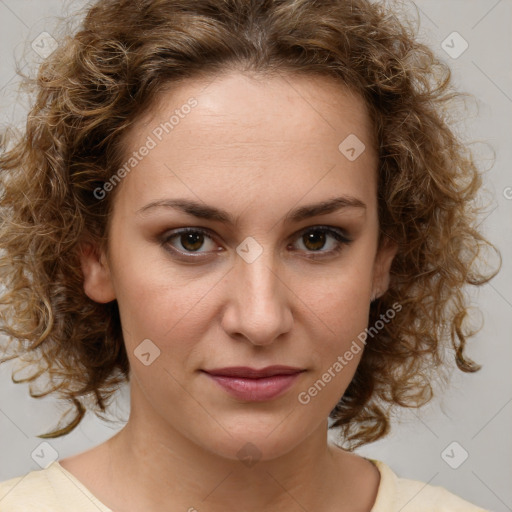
(260, 281)
(261, 308)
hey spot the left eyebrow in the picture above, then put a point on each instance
(324, 208)
(204, 211)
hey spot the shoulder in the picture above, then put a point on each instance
(413, 496)
(47, 490)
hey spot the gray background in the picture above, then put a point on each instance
(476, 413)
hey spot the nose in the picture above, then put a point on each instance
(258, 306)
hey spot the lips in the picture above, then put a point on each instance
(255, 385)
(251, 373)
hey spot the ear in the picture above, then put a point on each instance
(97, 278)
(382, 265)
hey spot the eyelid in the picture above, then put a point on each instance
(190, 229)
(340, 235)
(330, 229)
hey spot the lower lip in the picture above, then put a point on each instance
(256, 390)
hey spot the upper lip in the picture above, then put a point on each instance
(253, 373)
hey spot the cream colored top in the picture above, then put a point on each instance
(54, 489)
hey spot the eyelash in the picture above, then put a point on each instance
(337, 234)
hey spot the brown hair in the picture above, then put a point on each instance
(99, 82)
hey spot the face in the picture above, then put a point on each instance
(244, 236)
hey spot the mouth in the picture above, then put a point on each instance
(255, 385)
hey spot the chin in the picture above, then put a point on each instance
(261, 440)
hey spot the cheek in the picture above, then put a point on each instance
(337, 348)
(337, 316)
(156, 300)
(340, 300)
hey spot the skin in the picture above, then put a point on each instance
(181, 441)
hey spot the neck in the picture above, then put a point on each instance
(174, 473)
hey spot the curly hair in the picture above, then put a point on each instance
(99, 82)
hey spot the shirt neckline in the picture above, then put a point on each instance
(383, 501)
(72, 479)
(387, 487)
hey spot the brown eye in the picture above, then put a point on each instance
(322, 241)
(191, 241)
(314, 240)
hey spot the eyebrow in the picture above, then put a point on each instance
(204, 211)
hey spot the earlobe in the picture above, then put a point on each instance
(382, 266)
(97, 278)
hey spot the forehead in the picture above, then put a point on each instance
(235, 131)
(289, 105)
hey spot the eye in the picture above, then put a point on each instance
(313, 240)
(190, 240)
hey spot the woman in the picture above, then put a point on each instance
(255, 212)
